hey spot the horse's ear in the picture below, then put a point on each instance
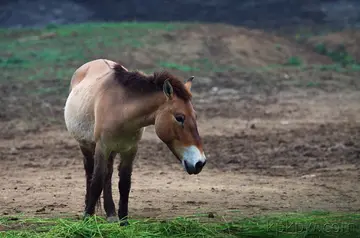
(168, 89)
(188, 83)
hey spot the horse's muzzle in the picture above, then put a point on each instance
(190, 169)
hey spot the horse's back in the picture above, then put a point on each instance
(91, 71)
(79, 109)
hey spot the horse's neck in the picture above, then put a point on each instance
(147, 107)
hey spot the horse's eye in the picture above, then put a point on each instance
(180, 118)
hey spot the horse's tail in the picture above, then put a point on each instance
(100, 174)
(98, 205)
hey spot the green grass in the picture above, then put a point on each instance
(42, 60)
(73, 44)
(315, 224)
(54, 52)
(294, 61)
(338, 55)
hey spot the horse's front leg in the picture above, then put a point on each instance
(125, 170)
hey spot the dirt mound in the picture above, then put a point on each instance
(347, 40)
(233, 47)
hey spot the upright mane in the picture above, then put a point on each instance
(140, 82)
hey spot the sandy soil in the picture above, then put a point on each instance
(298, 153)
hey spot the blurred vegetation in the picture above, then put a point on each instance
(294, 225)
(37, 63)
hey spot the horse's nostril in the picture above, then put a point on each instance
(199, 165)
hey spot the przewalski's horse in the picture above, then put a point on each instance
(106, 111)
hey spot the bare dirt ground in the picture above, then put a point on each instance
(302, 156)
(285, 140)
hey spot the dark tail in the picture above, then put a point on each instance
(98, 206)
(99, 174)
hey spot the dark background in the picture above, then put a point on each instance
(265, 14)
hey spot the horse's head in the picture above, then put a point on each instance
(176, 126)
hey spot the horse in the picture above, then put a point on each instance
(107, 110)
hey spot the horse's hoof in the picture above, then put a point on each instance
(112, 219)
(124, 223)
(86, 216)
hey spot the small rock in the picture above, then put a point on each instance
(349, 143)
(41, 210)
(308, 176)
(13, 151)
(214, 89)
(284, 122)
(227, 91)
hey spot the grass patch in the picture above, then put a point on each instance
(315, 224)
(338, 55)
(294, 61)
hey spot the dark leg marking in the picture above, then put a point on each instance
(109, 204)
(97, 182)
(125, 171)
(88, 161)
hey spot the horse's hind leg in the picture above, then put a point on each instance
(109, 205)
(88, 160)
(125, 170)
(98, 179)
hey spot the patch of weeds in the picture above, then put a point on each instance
(317, 224)
(338, 55)
(312, 84)
(51, 26)
(278, 47)
(331, 67)
(13, 61)
(355, 67)
(294, 61)
(337, 67)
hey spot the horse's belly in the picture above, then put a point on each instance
(79, 118)
(124, 141)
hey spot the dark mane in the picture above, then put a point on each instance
(140, 82)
